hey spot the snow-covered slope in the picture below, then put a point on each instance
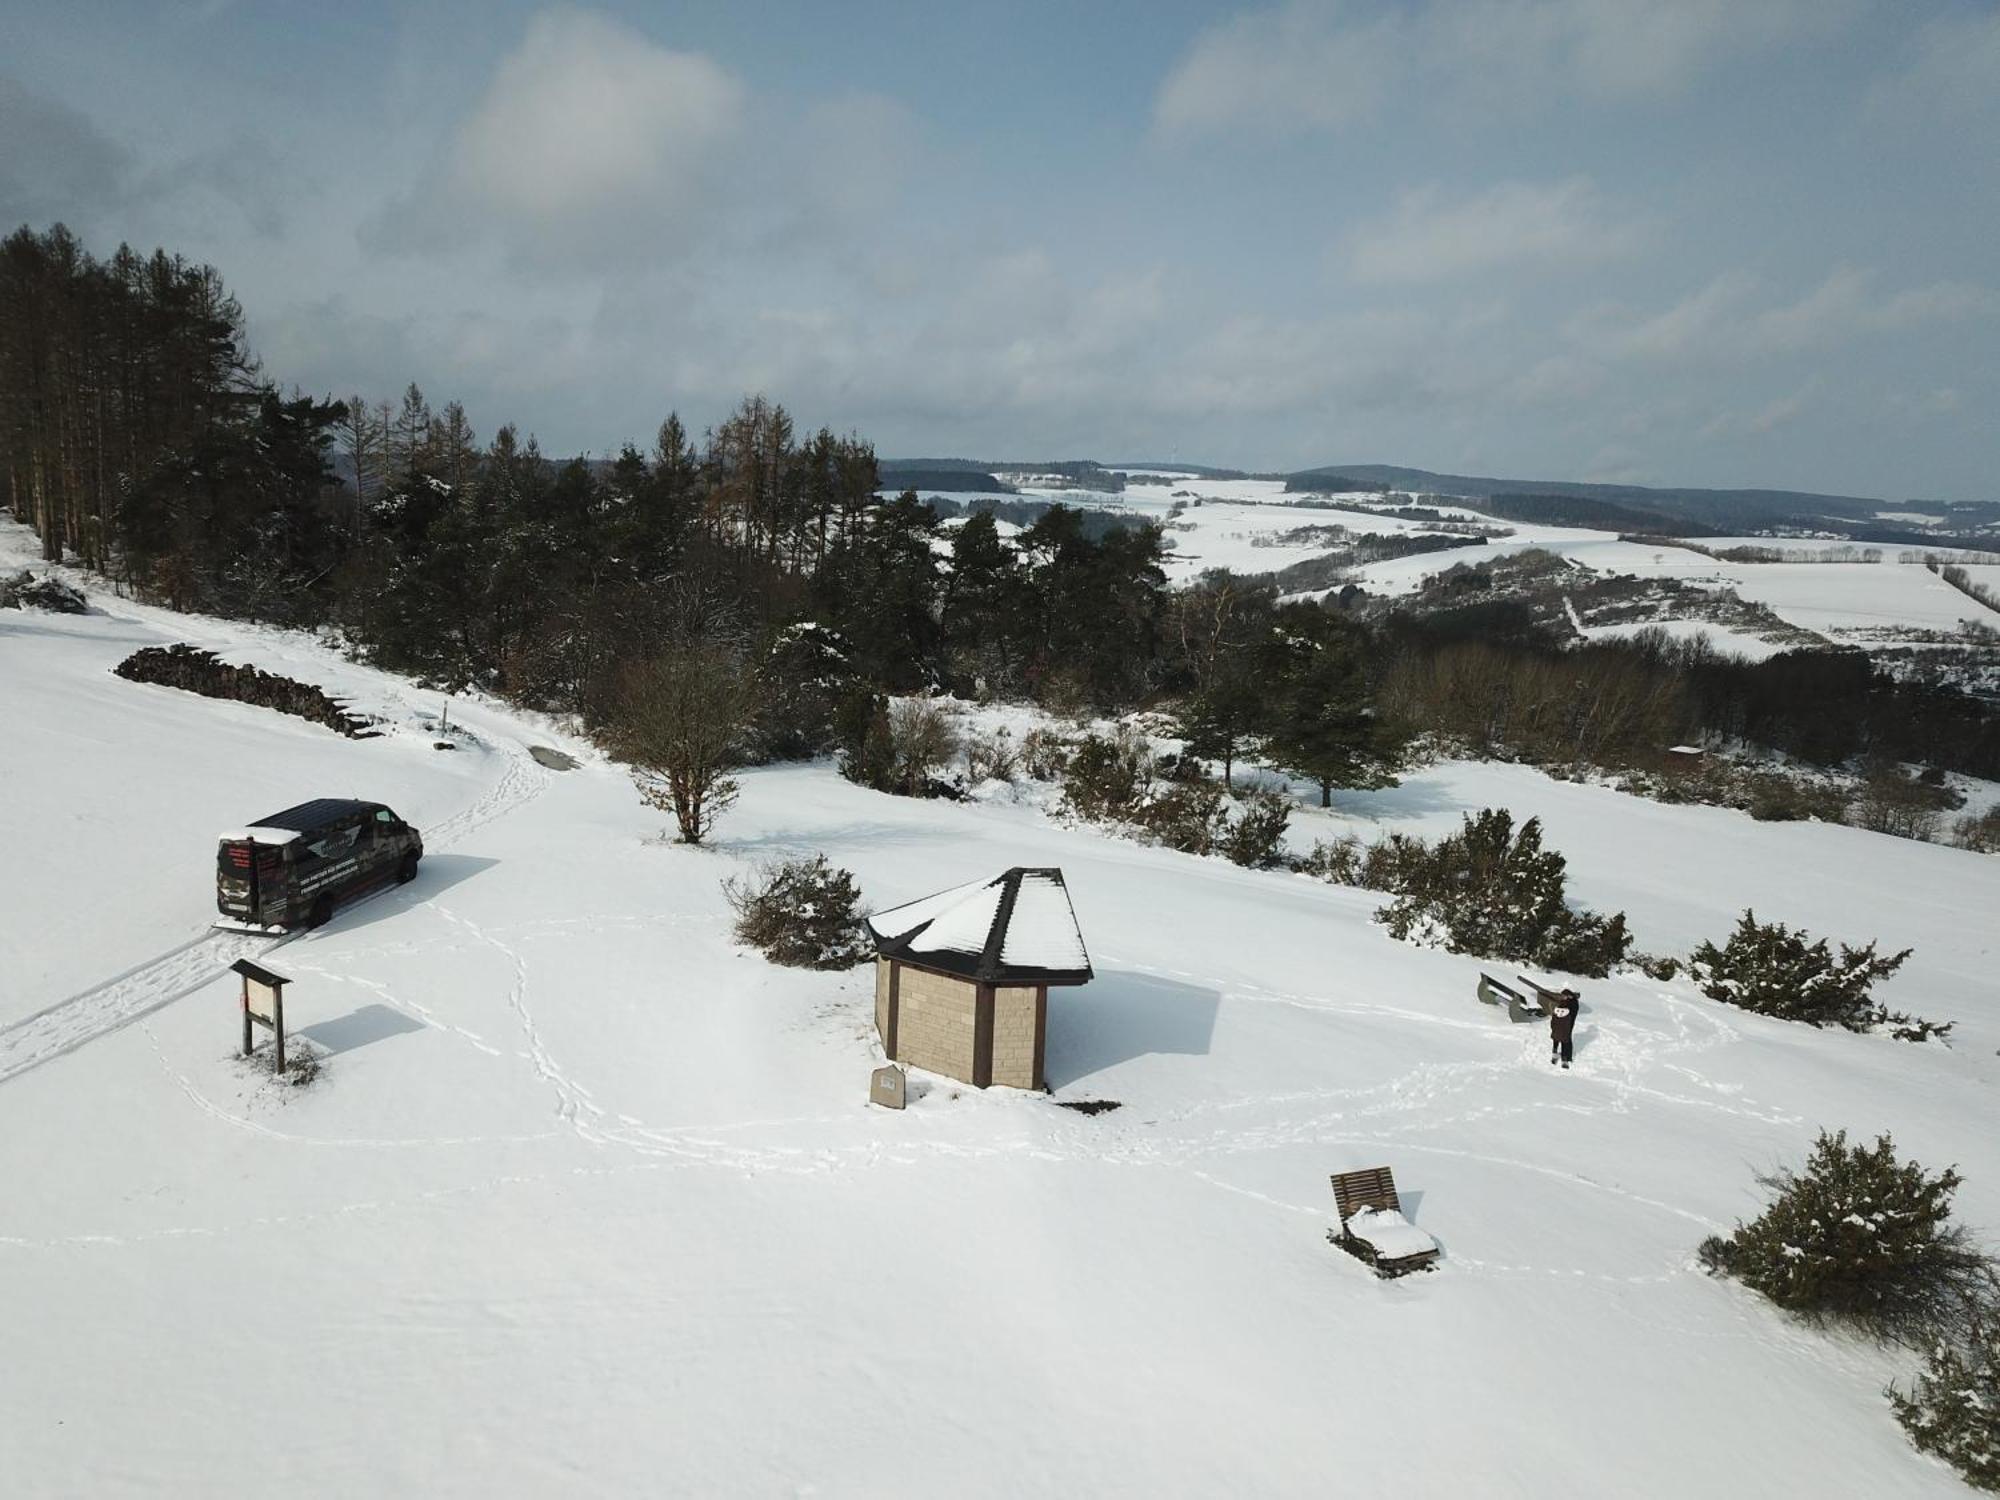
(589, 1201)
(1239, 525)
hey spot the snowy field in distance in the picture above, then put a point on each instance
(1860, 602)
(588, 1200)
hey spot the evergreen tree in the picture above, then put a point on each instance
(1776, 971)
(880, 590)
(979, 603)
(1861, 1237)
(1324, 724)
(1494, 892)
(1953, 1410)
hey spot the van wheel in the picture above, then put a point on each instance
(321, 913)
(407, 870)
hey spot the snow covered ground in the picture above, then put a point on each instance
(1238, 522)
(589, 1201)
(1721, 638)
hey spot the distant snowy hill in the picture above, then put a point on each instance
(1723, 509)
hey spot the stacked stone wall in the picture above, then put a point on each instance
(934, 1022)
(1014, 1036)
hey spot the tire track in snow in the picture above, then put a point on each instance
(125, 998)
(117, 1002)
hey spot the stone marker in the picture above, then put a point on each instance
(886, 1088)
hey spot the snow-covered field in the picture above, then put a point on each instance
(589, 1201)
(1238, 521)
(1719, 637)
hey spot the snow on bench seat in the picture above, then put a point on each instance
(1388, 1233)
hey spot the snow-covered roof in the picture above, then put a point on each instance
(258, 834)
(1013, 928)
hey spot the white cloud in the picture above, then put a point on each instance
(1723, 321)
(1320, 64)
(1734, 425)
(1954, 67)
(1427, 238)
(592, 146)
(1939, 401)
(1297, 67)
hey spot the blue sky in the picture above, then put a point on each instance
(1722, 242)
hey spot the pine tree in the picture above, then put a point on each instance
(410, 435)
(1860, 1237)
(1490, 891)
(1953, 1410)
(978, 606)
(365, 444)
(803, 913)
(1776, 971)
(1325, 725)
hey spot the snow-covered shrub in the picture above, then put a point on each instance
(898, 747)
(867, 754)
(1953, 1409)
(1776, 971)
(1862, 1238)
(1655, 965)
(1045, 754)
(1337, 861)
(1107, 776)
(1894, 802)
(925, 740)
(1490, 891)
(1389, 864)
(803, 913)
(1980, 831)
(1257, 838)
(992, 757)
(1774, 797)
(1117, 780)
(1190, 816)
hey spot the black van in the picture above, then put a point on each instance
(294, 867)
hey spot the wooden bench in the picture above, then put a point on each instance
(1519, 1006)
(1375, 1188)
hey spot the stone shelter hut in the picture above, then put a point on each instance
(962, 978)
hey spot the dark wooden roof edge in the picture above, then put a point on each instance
(1003, 913)
(1016, 978)
(985, 967)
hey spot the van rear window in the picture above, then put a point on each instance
(240, 857)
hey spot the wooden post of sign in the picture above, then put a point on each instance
(263, 1003)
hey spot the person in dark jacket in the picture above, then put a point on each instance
(1562, 1025)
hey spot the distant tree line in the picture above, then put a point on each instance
(138, 436)
(1580, 510)
(1489, 675)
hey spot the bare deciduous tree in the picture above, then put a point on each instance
(682, 713)
(364, 440)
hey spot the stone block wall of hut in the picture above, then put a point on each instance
(934, 1022)
(882, 982)
(1014, 1036)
